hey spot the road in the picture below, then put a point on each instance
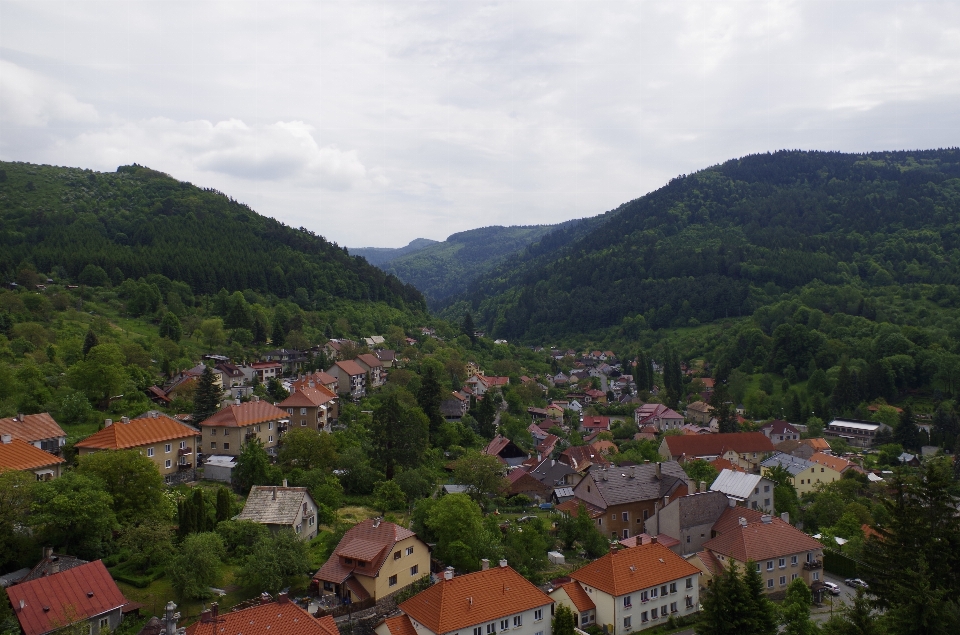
(847, 594)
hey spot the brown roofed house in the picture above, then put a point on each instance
(351, 378)
(372, 364)
(311, 406)
(234, 426)
(39, 430)
(374, 559)
(746, 449)
(21, 456)
(267, 618)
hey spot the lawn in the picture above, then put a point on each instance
(156, 596)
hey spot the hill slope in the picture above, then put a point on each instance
(734, 237)
(376, 256)
(446, 269)
(137, 221)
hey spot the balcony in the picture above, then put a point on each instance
(815, 564)
(185, 451)
(184, 466)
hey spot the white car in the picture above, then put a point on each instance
(832, 588)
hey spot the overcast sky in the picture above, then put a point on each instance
(373, 123)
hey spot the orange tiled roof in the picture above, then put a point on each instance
(370, 540)
(628, 570)
(400, 625)
(578, 596)
(572, 507)
(246, 414)
(306, 397)
(474, 598)
(819, 444)
(144, 430)
(33, 427)
(723, 464)
(267, 619)
(20, 455)
(758, 540)
(833, 462)
(717, 444)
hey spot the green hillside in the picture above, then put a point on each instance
(378, 255)
(136, 222)
(833, 229)
(449, 268)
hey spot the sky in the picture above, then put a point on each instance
(374, 123)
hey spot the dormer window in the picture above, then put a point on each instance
(348, 561)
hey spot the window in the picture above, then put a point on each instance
(783, 580)
(688, 540)
(599, 520)
(167, 447)
(627, 601)
(517, 621)
(270, 426)
(816, 575)
(393, 580)
(104, 623)
(782, 563)
(770, 583)
(167, 463)
(303, 411)
(663, 591)
(766, 503)
(299, 528)
(643, 617)
(821, 469)
(310, 522)
(769, 565)
(415, 569)
(213, 432)
(626, 533)
(625, 516)
(766, 488)
(270, 439)
(289, 411)
(673, 607)
(226, 446)
(653, 613)
(504, 625)
(689, 602)
(613, 516)
(793, 560)
(653, 593)
(183, 445)
(758, 568)
(226, 432)
(538, 615)
(396, 555)
(584, 620)
(643, 596)
(673, 587)
(149, 451)
(689, 583)
(645, 513)
(256, 428)
(756, 490)
(491, 628)
(794, 576)
(409, 551)
(809, 556)
(213, 445)
(303, 423)
(627, 622)
(348, 561)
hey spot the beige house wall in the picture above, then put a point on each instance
(267, 432)
(160, 455)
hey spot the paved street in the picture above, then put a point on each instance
(822, 614)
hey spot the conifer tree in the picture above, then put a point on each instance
(206, 399)
(429, 397)
(563, 620)
(468, 328)
(907, 434)
(89, 341)
(224, 504)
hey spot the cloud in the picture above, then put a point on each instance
(31, 99)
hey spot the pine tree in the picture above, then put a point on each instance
(468, 328)
(224, 504)
(201, 519)
(206, 399)
(907, 434)
(89, 341)
(279, 336)
(845, 393)
(429, 397)
(486, 415)
(563, 620)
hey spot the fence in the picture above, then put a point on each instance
(343, 609)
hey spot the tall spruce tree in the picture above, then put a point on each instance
(89, 341)
(206, 399)
(430, 395)
(907, 433)
(224, 504)
(468, 328)
(845, 393)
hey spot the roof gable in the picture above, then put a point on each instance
(370, 541)
(631, 569)
(270, 505)
(272, 618)
(20, 455)
(151, 427)
(32, 428)
(754, 539)
(245, 414)
(716, 444)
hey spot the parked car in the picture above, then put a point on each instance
(855, 582)
(832, 588)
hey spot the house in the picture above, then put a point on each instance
(371, 364)
(747, 490)
(911, 460)
(374, 340)
(779, 551)
(574, 597)
(39, 430)
(538, 433)
(699, 412)
(505, 450)
(280, 616)
(594, 424)
(231, 428)
(290, 360)
(234, 375)
(489, 601)
(387, 357)
(555, 411)
(555, 473)
(85, 593)
(778, 431)
(546, 447)
(265, 371)
(217, 467)
(629, 496)
(282, 508)
(311, 407)
(859, 434)
(374, 559)
(582, 457)
(170, 444)
(688, 519)
(16, 454)
(636, 588)
(659, 415)
(593, 395)
(806, 474)
(838, 464)
(746, 449)
(455, 406)
(317, 378)
(50, 563)
(351, 378)
(818, 445)
(721, 464)
(522, 482)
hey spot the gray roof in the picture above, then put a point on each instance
(551, 471)
(9, 579)
(269, 505)
(738, 485)
(701, 509)
(620, 487)
(793, 464)
(856, 425)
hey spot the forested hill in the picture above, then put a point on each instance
(732, 238)
(136, 222)
(449, 268)
(378, 255)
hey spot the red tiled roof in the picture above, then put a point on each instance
(833, 462)
(596, 422)
(373, 541)
(400, 625)
(33, 427)
(717, 444)
(245, 414)
(20, 455)
(87, 590)
(710, 562)
(474, 598)
(370, 360)
(779, 427)
(819, 444)
(272, 618)
(143, 430)
(572, 507)
(758, 540)
(632, 569)
(259, 365)
(581, 600)
(306, 397)
(351, 367)
(722, 464)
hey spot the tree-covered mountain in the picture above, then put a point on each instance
(735, 237)
(446, 269)
(378, 255)
(136, 222)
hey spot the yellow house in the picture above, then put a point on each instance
(230, 429)
(807, 475)
(373, 560)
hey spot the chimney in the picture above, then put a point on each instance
(376, 522)
(653, 540)
(20, 417)
(274, 493)
(55, 564)
(732, 502)
(125, 419)
(553, 462)
(503, 563)
(256, 398)
(703, 486)
(284, 482)
(785, 517)
(170, 618)
(282, 598)
(6, 439)
(666, 500)
(633, 471)
(766, 519)
(236, 402)
(265, 598)
(47, 552)
(448, 573)
(484, 564)
(659, 471)
(206, 616)
(107, 423)
(743, 521)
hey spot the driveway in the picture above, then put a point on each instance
(847, 594)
